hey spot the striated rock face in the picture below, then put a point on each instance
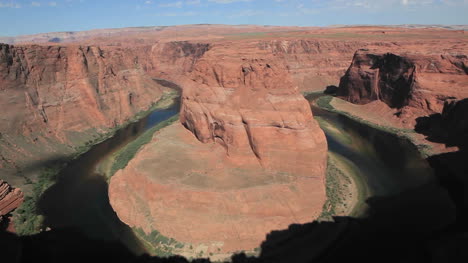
(416, 83)
(252, 159)
(10, 198)
(252, 109)
(314, 64)
(56, 97)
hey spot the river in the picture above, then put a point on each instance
(79, 198)
(386, 165)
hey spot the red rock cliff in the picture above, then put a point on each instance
(416, 83)
(56, 97)
(314, 64)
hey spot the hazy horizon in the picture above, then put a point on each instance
(43, 16)
(259, 25)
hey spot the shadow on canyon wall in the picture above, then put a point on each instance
(330, 90)
(50, 162)
(450, 128)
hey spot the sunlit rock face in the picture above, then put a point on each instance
(416, 81)
(54, 98)
(248, 158)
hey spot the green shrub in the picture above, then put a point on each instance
(128, 152)
(324, 102)
(160, 244)
(27, 219)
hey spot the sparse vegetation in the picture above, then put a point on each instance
(127, 153)
(27, 219)
(166, 100)
(346, 190)
(157, 243)
(334, 191)
(324, 103)
(425, 150)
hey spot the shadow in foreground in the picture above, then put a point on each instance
(451, 128)
(414, 226)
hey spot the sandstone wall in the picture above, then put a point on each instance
(249, 105)
(416, 83)
(54, 97)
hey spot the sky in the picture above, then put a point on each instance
(19, 17)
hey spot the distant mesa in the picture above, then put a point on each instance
(55, 40)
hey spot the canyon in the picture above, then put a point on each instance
(95, 72)
(247, 156)
(59, 98)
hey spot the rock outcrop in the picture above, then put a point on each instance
(10, 198)
(415, 83)
(252, 109)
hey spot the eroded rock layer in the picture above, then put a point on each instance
(417, 83)
(251, 107)
(10, 198)
(55, 98)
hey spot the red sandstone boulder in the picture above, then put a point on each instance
(10, 198)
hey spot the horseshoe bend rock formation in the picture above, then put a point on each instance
(415, 83)
(250, 159)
